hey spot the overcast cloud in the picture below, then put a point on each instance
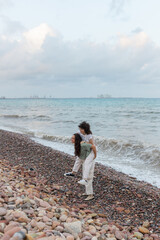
(41, 61)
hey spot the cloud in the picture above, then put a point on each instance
(137, 30)
(11, 27)
(42, 57)
(36, 36)
(117, 7)
(5, 3)
(137, 40)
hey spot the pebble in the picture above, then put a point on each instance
(138, 235)
(3, 211)
(143, 230)
(45, 214)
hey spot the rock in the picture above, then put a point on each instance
(138, 235)
(40, 225)
(63, 218)
(70, 237)
(155, 236)
(92, 230)
(143, 230)
(6, 237)
(19, 214)
(13, 231)
(73, 227)
(119, 235)
(120, 209)
(11, 226)
(23, 219)
(3, 211)
(55, 224)
(146, 224)
(59, 228)
(28, 237)
(94, 238)
(46, 219)
(106, 227)
(19, 236)
(87, 234)
(2, 227)
(86, 238)
(44, 204)
(33, 223)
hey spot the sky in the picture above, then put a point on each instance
(79, 48)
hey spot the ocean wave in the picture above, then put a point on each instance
(42, 117)
(13, 116)
(150, 154)
(62, 139)
(118, 148)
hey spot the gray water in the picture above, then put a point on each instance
(126, 131)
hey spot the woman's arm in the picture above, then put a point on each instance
(91, 141)
(93, 147)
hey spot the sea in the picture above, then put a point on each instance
(126, 130)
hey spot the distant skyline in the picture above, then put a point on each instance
(69, 49)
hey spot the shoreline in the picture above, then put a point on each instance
(118, 197)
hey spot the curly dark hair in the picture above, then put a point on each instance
(86, 127)
(77, 145)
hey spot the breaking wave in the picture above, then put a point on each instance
(13, 116)
(118, 148)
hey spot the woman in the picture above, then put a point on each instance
(86, 135)
(82, 151)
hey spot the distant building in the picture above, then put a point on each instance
(104, 96)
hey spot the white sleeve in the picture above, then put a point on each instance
(90, 136)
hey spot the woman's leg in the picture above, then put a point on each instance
(89, 185)
(77, 165)
(88, 165)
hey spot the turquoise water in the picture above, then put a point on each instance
(127, 131)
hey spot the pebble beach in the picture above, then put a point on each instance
(38, 202)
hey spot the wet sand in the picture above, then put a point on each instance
(118, 197)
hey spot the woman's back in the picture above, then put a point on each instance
(85, 150)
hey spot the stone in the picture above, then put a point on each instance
(13, 231)
(6, 237)
(40, 225)
(48, 238)
(44, 204)
(59, 228)
(155, 236)
(138, 235)
(19, 235)
(106, 227)
(33, 223)
(146, 224)
(143, 230)
(11, 226)
(63, 218)
(55, 224)
(87, 234)
(23, 219)
(3, 211)
(2, 227)
(86, 238)
(73, 227)
(19, 214)
(92, 230)
(70, 237)
(119, 235)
